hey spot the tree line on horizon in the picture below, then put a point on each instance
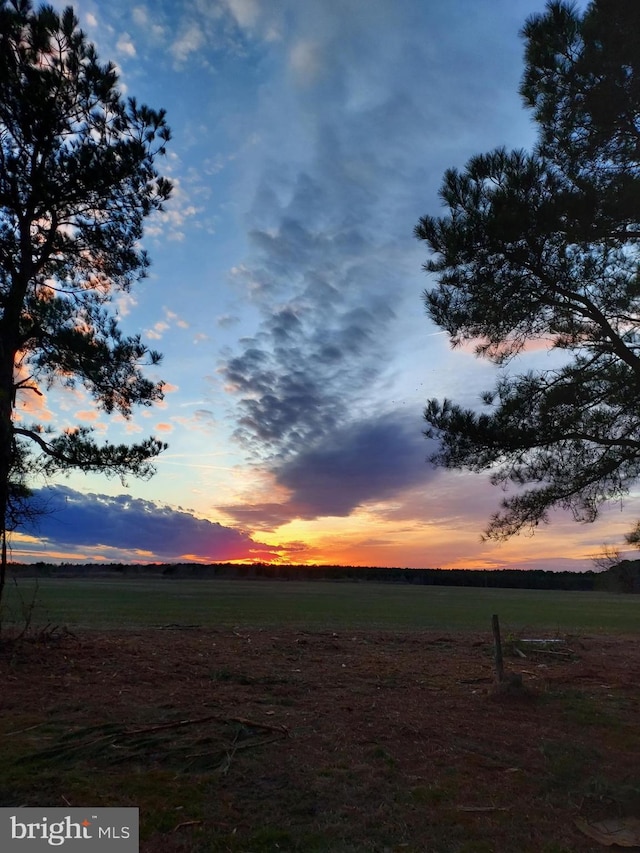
(621, 577)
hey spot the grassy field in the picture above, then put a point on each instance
(322, 734)
(109, 604)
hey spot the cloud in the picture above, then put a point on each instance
(159, 328)
(332, 266)
(180, 213)
(147, 24)
(124, 303)
(125, 45)
(202, 420)
(190, 39)
(206, 29)
(33, 405)
(93, 417)
(226, 321)
(322, 285)
(362, 463)
(140, 15)
(156, 333)
(306, 60)
(171, 315)
(71, 518)
(245, 12)
(365, 462)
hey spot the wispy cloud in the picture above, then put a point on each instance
(189, 40)
(206, 28)
(180, 212)
(306, 60)
(157, 331)
(125, 45)
(327, 284)
(245, 12)
(332, 265)
(151, 25)
(202, 420)
(226, 321)
(330, 254)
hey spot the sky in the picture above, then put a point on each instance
(286, 285)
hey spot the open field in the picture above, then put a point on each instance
(327, 718)
(106, 604)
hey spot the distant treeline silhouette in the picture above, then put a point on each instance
(624, 577)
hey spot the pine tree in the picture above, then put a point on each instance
(543, 247)
(77, 179)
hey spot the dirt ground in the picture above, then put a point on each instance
(258, 740)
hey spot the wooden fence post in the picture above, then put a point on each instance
(497, 647)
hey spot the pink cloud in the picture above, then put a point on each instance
(87, 415)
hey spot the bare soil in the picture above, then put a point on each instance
(260, 740)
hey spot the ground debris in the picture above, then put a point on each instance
(404, 746)
(621, 832)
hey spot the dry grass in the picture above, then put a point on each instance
(323, 741)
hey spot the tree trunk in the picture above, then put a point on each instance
(6, 453)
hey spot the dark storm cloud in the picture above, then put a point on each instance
(71, 518)
(362, 463)
(367, 461)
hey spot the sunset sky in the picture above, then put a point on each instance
(285, 288)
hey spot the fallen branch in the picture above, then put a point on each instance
(208, 719)
(254, 744)
(266, 726)
(551, 652)
(187, 823)
(482, 809)
(21, 731)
